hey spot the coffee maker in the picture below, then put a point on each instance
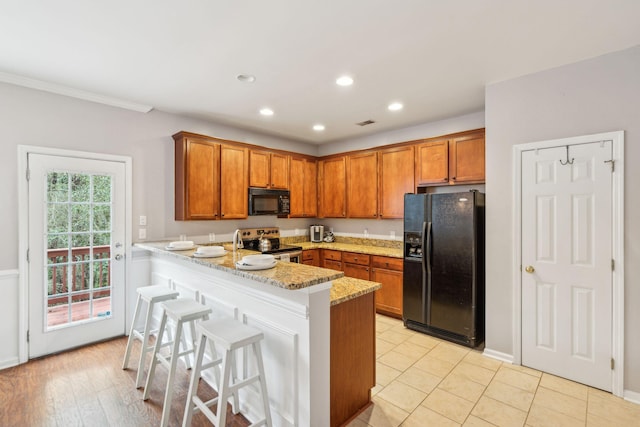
(316, 233)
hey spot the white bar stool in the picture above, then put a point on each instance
(180, 310)
(228, 335)
(151, 295)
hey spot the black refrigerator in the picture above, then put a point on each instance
(443, 285)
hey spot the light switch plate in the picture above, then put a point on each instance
(143, 220)
(142, 233)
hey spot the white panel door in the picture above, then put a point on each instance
(566, 262)
(76, 252)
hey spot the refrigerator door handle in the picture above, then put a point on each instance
(427, 247)
(426, 268)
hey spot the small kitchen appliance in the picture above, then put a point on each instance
(254, 239)
(316, 233)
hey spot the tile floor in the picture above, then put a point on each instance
(425, 381)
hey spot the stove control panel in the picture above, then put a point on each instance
(256, 233)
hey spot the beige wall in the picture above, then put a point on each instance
(594, 96)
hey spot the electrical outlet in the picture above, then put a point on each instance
(142, 233)
(143, 220)
(392, 233)
(297, 232)
(212, 237)
(366, 232)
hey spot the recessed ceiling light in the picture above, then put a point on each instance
(318, 127)
(395, 106)
(246, 78)
(266, 112)
(344, 81)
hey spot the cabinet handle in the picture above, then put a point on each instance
(222, 214)
(453, 178)
(446, 179)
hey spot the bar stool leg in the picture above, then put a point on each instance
(263, 383)
(145, 346)
(154, 359)
(168, 395)
(132, 331)
(223, 392)
(193, 384)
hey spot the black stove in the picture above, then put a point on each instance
(251, 240)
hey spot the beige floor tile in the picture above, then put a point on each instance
(449, 405)
(424, 340)
(383, 347)
(473, 421)
(382, 327)
(474, 373)
(392, 336)
(419, 379)
(377, 389)
(476, 358)
(615, 409)
(517, 378)
(523, 369)
(562, 403)
(385, 374)
(402, 395)
(462, 386)
(510, 395)
(422, 417)
(412, 350)
(397, 360)
(383, 414)
(564, 386)
(440, 368)
(539, 416)
(357, 423)
(498, 413)
(380, 318)
(449, 352)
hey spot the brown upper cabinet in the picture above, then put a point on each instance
(332, 180)
(362, 185)
(303, 187)
(268, 170)
(451, 161)
(210, 179)
(395, 175)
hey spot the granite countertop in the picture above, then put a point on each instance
(347, 288)
(287, 275)
(357, 248)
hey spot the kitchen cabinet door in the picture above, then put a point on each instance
(466, 159)
(388, 271)
(356, 271)
(234, 165)
(279, 170)
(362, 193)
(197, 179)
(396, 177)
(268, 170)
(311, 257)
(302, 187)
(332, 188)
(432, 163)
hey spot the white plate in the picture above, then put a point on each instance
(241, 266)
(200, 255)
(258, 259)
(171, 248)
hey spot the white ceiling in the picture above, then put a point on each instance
(434, 56)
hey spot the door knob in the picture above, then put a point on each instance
(529, 269)
(118, 257)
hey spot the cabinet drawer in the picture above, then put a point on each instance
(331, 254)
(309, 254)
(354, 258)
(356, 271)
(386, 262)
(332, 264)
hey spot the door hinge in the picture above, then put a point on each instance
(612, 363)
(28, 336)
(613, 164)
(613, 265)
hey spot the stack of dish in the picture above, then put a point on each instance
(209, 252)
(181, 245)
(256, 262)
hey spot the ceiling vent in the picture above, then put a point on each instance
(366, 122)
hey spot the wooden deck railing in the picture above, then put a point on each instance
(59, 287)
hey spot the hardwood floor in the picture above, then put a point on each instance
(87, 387)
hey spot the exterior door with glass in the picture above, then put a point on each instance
(76, 251)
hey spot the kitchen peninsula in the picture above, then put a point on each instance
(319, 328)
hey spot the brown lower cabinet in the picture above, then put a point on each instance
(381, 269)
(311, 257)
(353, 355)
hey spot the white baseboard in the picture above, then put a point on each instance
(632, 396)
(9, 363)
(498, 355)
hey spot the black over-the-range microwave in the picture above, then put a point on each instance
(268, 202)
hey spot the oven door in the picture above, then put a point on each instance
(295, 256)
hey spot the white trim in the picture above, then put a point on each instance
(8, 273)
(23, 227)
(617, 333)
(73, 92)
(498, 355)
(632, 396)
